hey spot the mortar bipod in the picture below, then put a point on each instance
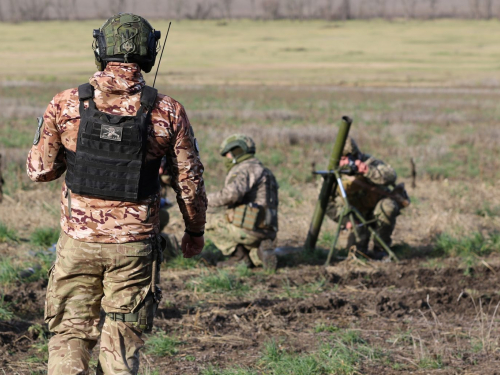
(352, 213)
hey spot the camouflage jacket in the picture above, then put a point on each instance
(379, 175)
(117, 91)
(247, 182)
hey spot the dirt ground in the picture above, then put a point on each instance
(420, 319)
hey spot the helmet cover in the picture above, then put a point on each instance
(127, 38)
(237, 140)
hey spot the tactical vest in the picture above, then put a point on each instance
(110, 158)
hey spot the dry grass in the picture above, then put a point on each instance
(403, 53)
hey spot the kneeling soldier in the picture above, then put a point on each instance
(250, 195)
(373, 192)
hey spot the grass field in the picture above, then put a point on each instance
(402, 53)
(421, 90)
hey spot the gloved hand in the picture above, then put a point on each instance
(192, 246)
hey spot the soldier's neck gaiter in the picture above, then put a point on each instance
(230, 163)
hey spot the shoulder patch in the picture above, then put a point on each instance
(38, 132)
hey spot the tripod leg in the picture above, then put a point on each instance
(377, 237)
(383, 244)
(334, 243)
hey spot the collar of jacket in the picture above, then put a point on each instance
(230, 163)
(119, 79)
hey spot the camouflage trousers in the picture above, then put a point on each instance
(226, 236)
(84, 278)
(386, 211)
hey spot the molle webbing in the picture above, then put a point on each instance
(110, 158)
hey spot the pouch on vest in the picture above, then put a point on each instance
(110, 158)
(247, 216)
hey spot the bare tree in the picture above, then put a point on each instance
(432, 8)
(475, 8)
(409, 8)
(117, 6)
(345, 9)
(202, 11)
(29, 10)
(271, 8)
(295, 9)
(226, 6)
(178, 8)
(252, 4)
(488, 5)
(65, 9)
(380, 8)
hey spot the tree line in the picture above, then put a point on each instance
(33, 10)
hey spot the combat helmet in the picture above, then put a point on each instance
(237, 140)
(128, 38)
(351, 147)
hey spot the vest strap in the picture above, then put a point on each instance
(148, 97)
(85, 92)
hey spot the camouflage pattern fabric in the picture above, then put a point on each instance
(368, 202)
(226, 237)
(84, 278)
(245, 183)
(386, 211)
(117, 91)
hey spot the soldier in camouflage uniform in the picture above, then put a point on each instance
(369, 192)
(247, 229)
(108, 253)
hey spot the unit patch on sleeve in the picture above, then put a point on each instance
(113, 133)
(38, 133)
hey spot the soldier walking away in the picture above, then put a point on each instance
(247, 229)
(109, 252)
(373, 191)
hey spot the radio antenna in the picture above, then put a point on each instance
(163, 49)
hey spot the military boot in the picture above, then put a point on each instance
(267, 256)
(240, 256)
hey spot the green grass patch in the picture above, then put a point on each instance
(162, 345)
(44, 237)
(8, 271)
(340, 356)
(7, 234)
(322, 327)
(219, 282)
(181, 263)
(488, 211)
(5, 312)
(475, 244)
(468, 248)
(235, 371)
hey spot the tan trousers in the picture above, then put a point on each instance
(84, 278)
(226, 236)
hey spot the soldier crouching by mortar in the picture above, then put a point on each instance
(247, 230)
(109, 252)
(369, 190)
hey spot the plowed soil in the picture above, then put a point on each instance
(424, 320)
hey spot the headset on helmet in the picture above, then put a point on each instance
(126, 37)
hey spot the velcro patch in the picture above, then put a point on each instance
(38, 132)
(113, 133)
